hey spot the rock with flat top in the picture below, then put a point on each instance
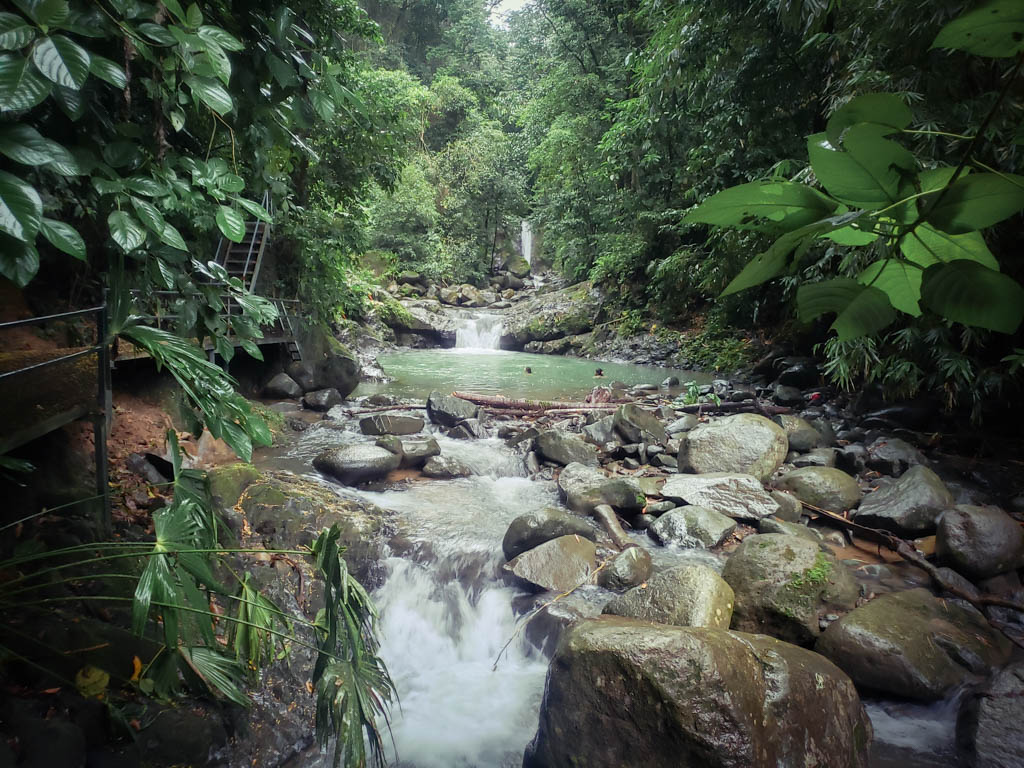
(740, 497)
(745, 443)
(558, 565)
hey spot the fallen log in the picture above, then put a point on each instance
(497, 401)
(382, 408)
(753, 406)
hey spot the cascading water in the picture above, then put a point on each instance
(526, 238)
(481, 331)
(445, 618)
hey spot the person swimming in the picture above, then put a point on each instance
(599, 373)
(528, 369)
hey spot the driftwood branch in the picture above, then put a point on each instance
(382, 408)
(497, 401)
(906, 550)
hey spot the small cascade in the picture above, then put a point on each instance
(526, 237)
(479, 332)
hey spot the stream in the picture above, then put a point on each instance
(445, 614)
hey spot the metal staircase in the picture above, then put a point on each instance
(243, 260)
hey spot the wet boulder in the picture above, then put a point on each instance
(282, 385)
(445, 468)
(534, 528)
(822, 487)
(914, 645)
(416, 452)
(801, 434)
(893, 456)
(682, 424)
(357, 463)
(638, 425)
(390, 424)
(979, 541)
(338, 369)
(322, 399)
(563, 448)
(775, 525)
(790, 508)
(545, 630)
(693, 527)
(685, 596)
(988, 731)
(785, 585)
(623, 692)
(449, 411)
(802, 374)
(631, 567)
(745, 443)
(583, 488)
(737, 496)
(303, 373)
(908, 506)
(558, 565)
(601, 431)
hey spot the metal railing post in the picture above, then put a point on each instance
(101, 421)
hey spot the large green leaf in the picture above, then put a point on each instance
(21, 87)
(63, 236)
(255, 209)
(224, 39)
(47, 12)
(852, 236)
(108, 71)
(172, 237)
(323, 104)
(882, 108)
(975, 202)
(764, 207)
(19, 262)
(774, 261)
(211, 93)
(61, 60)
(24, 144)
(994, 28)
(926, 246)
(219, 63)
(149, 215)
(969, 293)
(21, 209)
(231, 223)
(868, 174)
(125, 230)
(900, 281)
(15, 32)
(860, 310)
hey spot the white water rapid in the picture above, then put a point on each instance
(480, 331)
(445, 618)
(526, 238)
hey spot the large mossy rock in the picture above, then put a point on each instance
(913, 645)
(583, 488)
(534, 528)
(979, 541)
(744, 443)
(822, 487)
(622, 692)
(563, 448)
(282, 385)
(558, 565)
(554, 315)
(693, 527)
(390, 424)
(356, 463)
(909, 506)
(685, 596)
(284, 511)
(785, 584)
(741, 497)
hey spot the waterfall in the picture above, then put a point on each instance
(527, 241)
(479, 332)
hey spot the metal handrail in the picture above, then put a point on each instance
(100, 417)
